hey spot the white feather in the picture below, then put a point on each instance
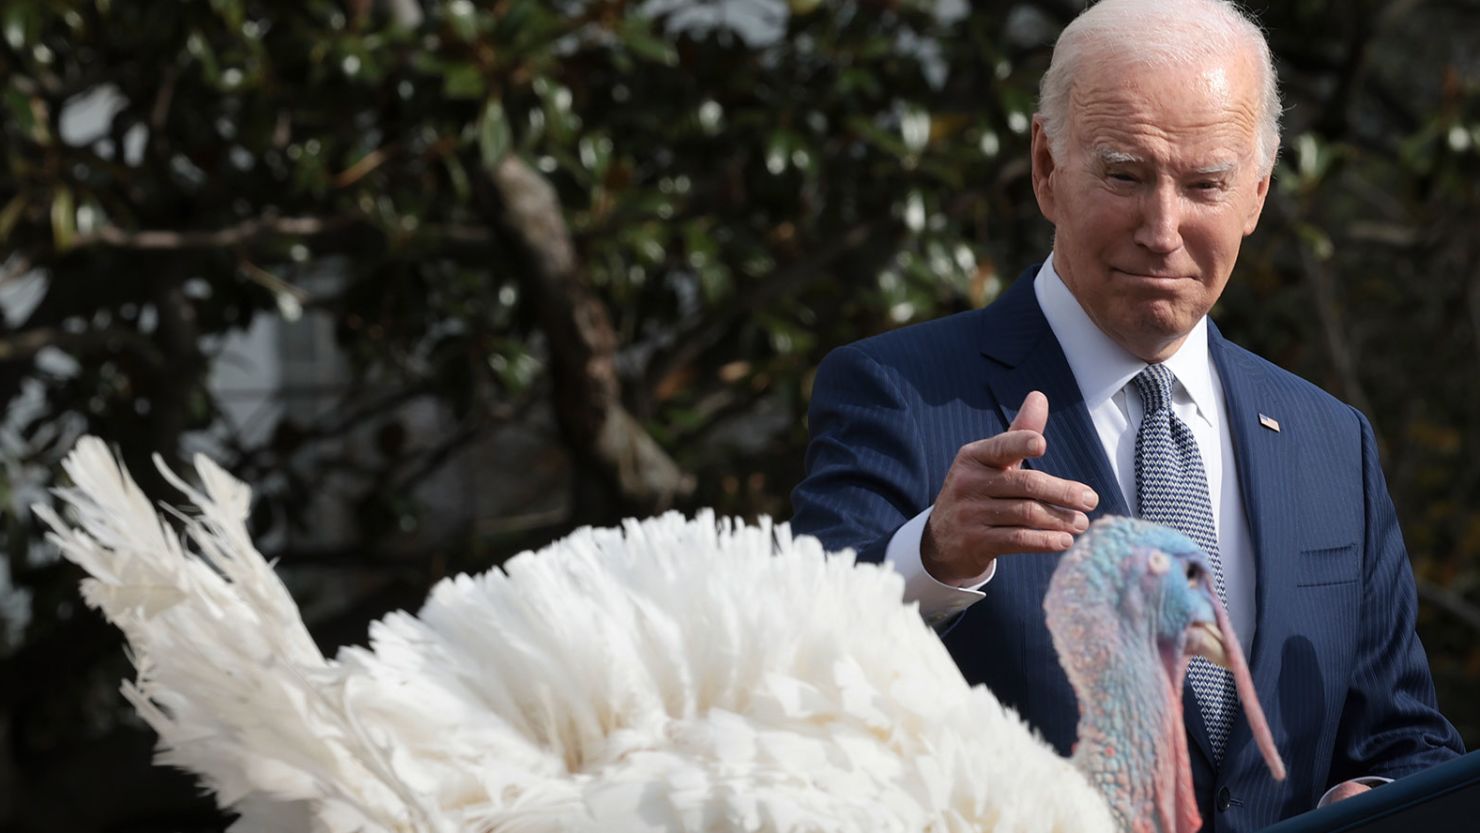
(671, 675)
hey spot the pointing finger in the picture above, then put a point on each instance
(1006, 450)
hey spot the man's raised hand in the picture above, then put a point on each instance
(990, 505)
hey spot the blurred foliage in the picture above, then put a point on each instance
(746, 185)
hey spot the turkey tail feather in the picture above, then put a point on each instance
(227, 673)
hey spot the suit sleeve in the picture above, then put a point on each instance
(1390, 723)
(865, 466)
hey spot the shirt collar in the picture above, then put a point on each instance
(1102, 367)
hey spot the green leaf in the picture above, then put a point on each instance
(883, 139)
(462, 17)
(1319, 242)
(596, 154)
(716, 282)
(63, 219)
(555, 102)
(428, 63)
(458, 175)
(647, 244)
(231, 12)
(462, 81)
(494, 137)
(635, 34)
(201, 50)
(21, 25)
(861, 83)
(778, 148)
(21, 114)
(11, 214)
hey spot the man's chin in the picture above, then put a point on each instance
(1153, 331)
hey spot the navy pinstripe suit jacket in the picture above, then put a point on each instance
(1339, 669)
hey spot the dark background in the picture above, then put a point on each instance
(514, 267)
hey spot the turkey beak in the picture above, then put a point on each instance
(1209, 638)
(1204, 640)
(1219, 644)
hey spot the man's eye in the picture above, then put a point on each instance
(1120, 176)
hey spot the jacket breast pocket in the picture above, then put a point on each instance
(1328, 565)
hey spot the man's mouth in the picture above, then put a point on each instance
(1151, 276)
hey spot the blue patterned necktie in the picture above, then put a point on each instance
(1172, 489)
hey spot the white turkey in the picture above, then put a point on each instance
(671, 675)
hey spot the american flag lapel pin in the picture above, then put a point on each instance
(1269, 422)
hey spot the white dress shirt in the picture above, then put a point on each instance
(1104, 371)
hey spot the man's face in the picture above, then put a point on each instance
(1159, 184)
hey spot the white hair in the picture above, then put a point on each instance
(1143, 33)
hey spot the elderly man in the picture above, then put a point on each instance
(1096, 384)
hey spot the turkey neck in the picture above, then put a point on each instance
(1132, 745)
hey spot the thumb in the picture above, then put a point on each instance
(1033, 415)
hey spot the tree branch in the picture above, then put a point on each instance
(27, 343)
(171, 393)
(339, 421)
(244, 232)
(250, 231)
(1450, 602)
(438, 455)
(582, 344)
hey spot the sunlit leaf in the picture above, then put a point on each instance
(11, 214)
(463, 18)
(63, 219)
(494, 137)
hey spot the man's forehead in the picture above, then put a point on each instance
(1214, 90)
(1196, 120)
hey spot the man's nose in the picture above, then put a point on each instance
(1160, 226)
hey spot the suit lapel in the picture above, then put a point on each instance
(1267, 483)
(1022, 356)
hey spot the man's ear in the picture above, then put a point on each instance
(1261, 190)
(1043, 167)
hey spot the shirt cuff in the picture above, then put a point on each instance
(1368, 780)
(938, 601)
